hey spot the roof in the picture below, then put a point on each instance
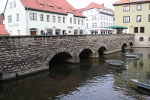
(2, 31)
(97, 6)
(121, 2)
(59, 6)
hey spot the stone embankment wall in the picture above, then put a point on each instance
(21, 55)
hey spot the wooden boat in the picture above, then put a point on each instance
(114, 62)
(132, 55)
(140, 84)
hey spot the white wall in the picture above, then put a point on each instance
(15, 25)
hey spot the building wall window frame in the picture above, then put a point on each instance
(53, 19)
(10, 4)
(138, 18)
(33, 16)
(141, 29)
(74, 20)
(139, 7)
(17, 17)
(149, 39)
(63, 19)
(149, 18)
(126, 8)
(9, 18)
(135, 29)
(87, 25)
(71, 20)
(59, 19)
(82, 21)
(48, 18)
(141, 39)
(14, 3)
(126, 19)
(79, 21)
(41, 17)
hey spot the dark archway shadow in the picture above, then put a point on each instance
(131, 44)
(124, 46)
(61, 57)
(101, 51)
(86, 53)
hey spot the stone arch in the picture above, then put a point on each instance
(61, 57)
(86, 53)
(102, 50)
(124, 46)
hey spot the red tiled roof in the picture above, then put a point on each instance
(1, 19)
(95, 5)
(128, 1)
(2, 31)
(65, 6)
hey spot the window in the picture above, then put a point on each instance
(74, 20)
(14, 4)
(63, 19)
(59, 20)
(41, 17)
(17, 17)
(126, 8)
(141, 39)
(126, 19)
(135, 29)
(92, 17)
(33, 31)
(92, 24)
(79, 21)
(9, 19)
(95, 24)
(54, 19)
(86, 12)
(138, 18)
(86, 25)
(149, 18)
(139, 7)
(82, 21)
(71, 20)
(33, 16)
(91, 11)
(141, 29)
(48, 18)
(149, 40)
(10, 4)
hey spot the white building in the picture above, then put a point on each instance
(97, 18)
(29, 17)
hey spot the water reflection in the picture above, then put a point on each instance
(92, 79)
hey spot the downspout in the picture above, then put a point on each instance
(27, 22)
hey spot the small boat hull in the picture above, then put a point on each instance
(143, 85)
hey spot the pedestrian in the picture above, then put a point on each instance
(44, 33)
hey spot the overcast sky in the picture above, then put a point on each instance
(75, 3)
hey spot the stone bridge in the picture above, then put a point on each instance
(22, 55)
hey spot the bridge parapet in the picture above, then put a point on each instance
(21, 55)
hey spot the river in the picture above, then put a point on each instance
(91, 79)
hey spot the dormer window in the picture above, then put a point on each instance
(41, 5)
(51, 7)
(59, 7)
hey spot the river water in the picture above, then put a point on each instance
(92, 79)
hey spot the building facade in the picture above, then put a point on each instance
(97, 18)
(38, 17)
(134, 14)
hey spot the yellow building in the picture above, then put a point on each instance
(134, 14)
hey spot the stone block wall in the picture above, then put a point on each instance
(21, 55)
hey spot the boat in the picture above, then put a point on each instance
(132, 55)
(114, 62)
(141, 84)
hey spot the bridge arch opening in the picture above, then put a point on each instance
(131, 44)
(124, 46)
(86, 53)
(102, 50)
(60, 57)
